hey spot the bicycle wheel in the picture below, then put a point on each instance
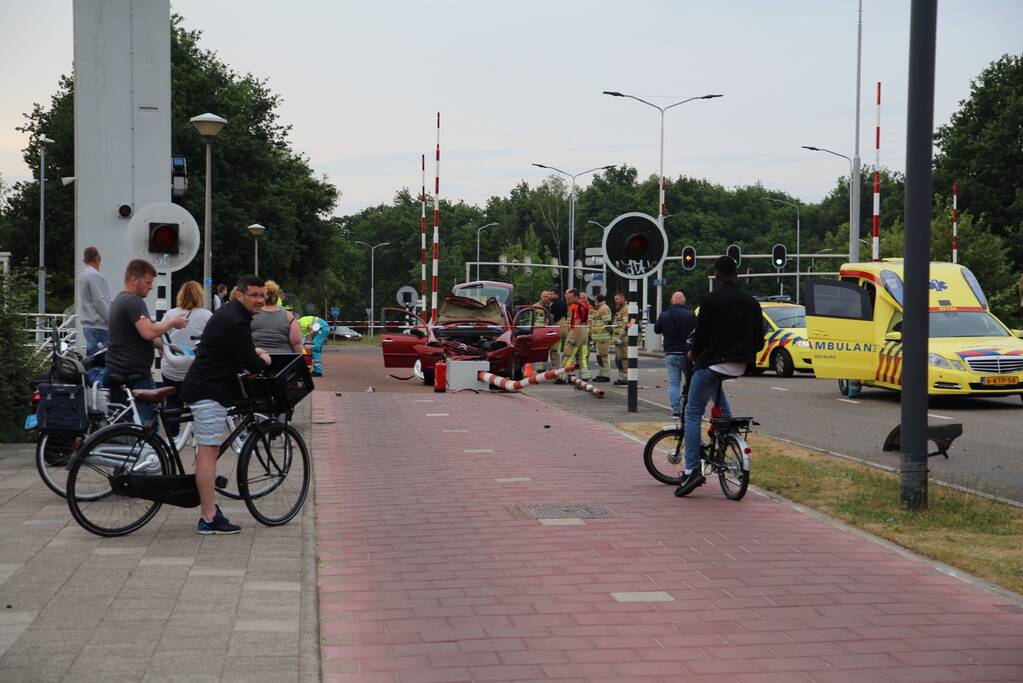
(664, 455)
(273, 473)
(53, 455)
(91, 497)
(733, 477)
(227, 462)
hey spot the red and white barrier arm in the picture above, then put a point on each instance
(586, 386)
(512, 385)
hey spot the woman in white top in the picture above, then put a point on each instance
(179, 345)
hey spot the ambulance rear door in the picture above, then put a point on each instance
(840, 324)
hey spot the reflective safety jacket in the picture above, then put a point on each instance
(600, 323)
(579, 314)
(621, 324)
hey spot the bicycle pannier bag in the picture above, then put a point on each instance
(62, 408)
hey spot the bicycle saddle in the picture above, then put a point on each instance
(153, 395)
(116, 380)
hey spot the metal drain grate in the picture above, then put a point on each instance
(556, 511)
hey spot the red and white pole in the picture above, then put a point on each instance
(586, 386)
(875, 249)
(955, 222)
(513, 385)
(422, 241)
(436, 229)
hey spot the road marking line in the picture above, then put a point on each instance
(512, 480)
(562, 521)
(643, 596)
(424, 400)
(453, 431)
(477, 450)
(848, 400)
(779, 388)
(438, 414)
(940, 417)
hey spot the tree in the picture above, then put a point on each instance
(981, 149)
(257, 179)
(20, 365)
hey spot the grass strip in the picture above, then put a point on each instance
(980, 536)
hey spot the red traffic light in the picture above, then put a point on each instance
(163, 238)
(636, 246)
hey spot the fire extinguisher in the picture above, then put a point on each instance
(440, 376)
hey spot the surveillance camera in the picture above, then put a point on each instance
(67, 180)
(124, 211)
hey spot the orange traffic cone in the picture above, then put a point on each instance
(527, 370)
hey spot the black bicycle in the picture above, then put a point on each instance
(727, 455)
(123, 473)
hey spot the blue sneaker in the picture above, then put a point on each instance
(219, 525)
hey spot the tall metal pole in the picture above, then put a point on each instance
(797, 253)
(633, 358)
(854, 197)
(571, 238)
(257, 256)
(207, 244)
(478, 231)
(42, 229)
(372, 291)
(919, 141)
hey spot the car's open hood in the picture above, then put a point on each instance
(461, 309)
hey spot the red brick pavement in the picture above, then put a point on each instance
(426, 573)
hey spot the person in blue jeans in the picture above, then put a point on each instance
(675, 323)
(729, 332)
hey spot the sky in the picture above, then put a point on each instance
(521, 82)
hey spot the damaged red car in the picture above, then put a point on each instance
(477, 321)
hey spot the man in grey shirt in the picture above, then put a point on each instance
(94, 295)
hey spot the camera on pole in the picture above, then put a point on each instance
(689, 257)
(778, 256)
(736, 253)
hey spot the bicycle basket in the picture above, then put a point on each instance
(62, 408)
(286, 382)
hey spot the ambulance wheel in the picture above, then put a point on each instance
(843, 387)
(781, 363)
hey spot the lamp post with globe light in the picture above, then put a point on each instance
(256, 230)
(208, 126)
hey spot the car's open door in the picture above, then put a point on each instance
(533, 342)
(840, 324)
(403, 330)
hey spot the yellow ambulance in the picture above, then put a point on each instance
(855, 329)
(786, 344)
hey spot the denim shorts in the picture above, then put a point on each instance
(209, 418)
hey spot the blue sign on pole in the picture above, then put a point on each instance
(209, 281)
(335, 312)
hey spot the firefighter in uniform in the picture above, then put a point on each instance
(600, 332)
(577, 343)
(541, 315)
(620, 337)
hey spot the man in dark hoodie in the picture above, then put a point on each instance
(729, 332)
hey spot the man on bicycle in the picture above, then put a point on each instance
(133, 334)
(225, 349)
(729, 332)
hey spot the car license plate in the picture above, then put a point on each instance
(31, 421)
(1001, 379)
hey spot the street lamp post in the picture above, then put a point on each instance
(43, 141)
(478, 231)
(372, 280)
(257, 230)
(208, 126)
(571, 216)
(660, 202)
(782, 201)
(854, 245)
(854, 195)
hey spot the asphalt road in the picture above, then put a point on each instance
(988, 457)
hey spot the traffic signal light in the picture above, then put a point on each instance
(634, 245)
(163, 238)
(736, 253)
(688, 257)
(778, 256)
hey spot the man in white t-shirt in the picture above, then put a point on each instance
(729, 332)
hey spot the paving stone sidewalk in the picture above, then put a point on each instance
(432, 569)
(161, 604)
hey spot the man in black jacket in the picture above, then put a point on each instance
(729, 332)
(676, 324)
(225, 349)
